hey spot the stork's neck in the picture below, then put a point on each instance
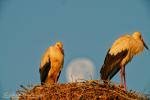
(61, 50)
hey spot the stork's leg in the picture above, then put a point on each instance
(121, 76)
(124, 77)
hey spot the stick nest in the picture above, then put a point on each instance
(88, 90)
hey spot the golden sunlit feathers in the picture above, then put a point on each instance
(133, 43)
(122, 52)
(137, 35)
(59, 44)
(120, 45)
(52, 63)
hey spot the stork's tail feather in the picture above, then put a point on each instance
(103, 72)
(107, 74)
(112, 65)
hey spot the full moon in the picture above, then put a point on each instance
(80, 69)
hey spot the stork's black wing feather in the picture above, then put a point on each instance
(58, 76)
(44, 72)
(112, 64)
(61, 69)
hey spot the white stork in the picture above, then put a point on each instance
(122, 52)
(51, 64)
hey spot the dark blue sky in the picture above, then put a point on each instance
(86, 27)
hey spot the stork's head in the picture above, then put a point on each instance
(59, 45)
(138, 36)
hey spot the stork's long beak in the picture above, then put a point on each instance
(145, 45)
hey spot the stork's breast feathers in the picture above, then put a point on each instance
(57, 57)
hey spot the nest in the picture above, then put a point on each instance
(88, 90)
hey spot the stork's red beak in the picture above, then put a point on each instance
(145, 45)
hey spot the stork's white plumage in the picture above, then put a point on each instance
(121, 52)
(51, 64)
